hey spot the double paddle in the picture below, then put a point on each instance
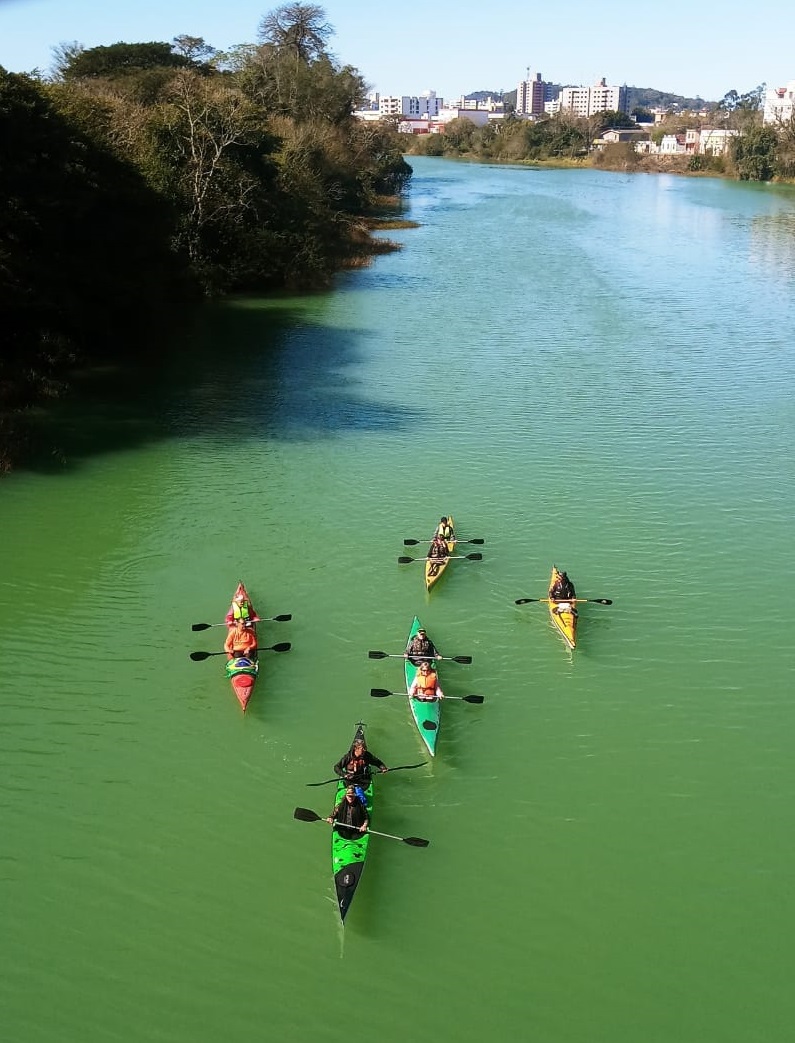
(416, 543)
(400, 767)
(403, 560)
(305, 815)
(466, 659)
(283, 646)
(382, 693)
(596, 601)
(258, 619)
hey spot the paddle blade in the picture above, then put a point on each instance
(430, 726)
(602, 601)
(473, 698)
(197, 657)
(416, 841)
(201, 626)
(402, 560)
(283, 646)
(466, 659)
(477, 543)
(410, 543)
(379, 693)
(283, 618)
(525, 601)
(474, 557)
(377, 655)
(305, 815)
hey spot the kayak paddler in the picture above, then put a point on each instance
(354, 766)
(350, 815)
(240, 641)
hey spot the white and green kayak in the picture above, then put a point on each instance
(348, 856)
(426, 714)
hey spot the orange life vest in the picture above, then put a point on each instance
(426, 683)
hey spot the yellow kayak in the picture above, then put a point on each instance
(434, 567)
(563, 613)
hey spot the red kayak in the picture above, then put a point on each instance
(242, 671)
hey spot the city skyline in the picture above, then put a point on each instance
(468, 47)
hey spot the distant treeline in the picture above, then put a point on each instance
(757, 153)
(143, 174)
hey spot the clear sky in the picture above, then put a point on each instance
(459, 46)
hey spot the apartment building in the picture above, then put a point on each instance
(779, 104)
(531, 95)
(587, 101)
(413, 107)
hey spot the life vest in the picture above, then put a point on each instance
(445, 531)
(357, 766)
(240, 611)
(427, 683)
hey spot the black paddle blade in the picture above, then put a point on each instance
(430, 726)
(474, 557)
(283, 618)
(412, 543)
(378, 655)
(402, 560)
(305, 815)
(602, 601)
(283, 646)
(477, 543)
(416, 841)
(201, 626)
(379, 693)
(197, 657)
(461, 659)
(473, 698)
(525, 601)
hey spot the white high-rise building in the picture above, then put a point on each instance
(779, 104)
(587, 101)
(427, 104)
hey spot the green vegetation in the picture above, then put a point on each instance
(143, 174)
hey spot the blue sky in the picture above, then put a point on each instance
(461, 45)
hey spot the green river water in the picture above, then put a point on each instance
(585, 368)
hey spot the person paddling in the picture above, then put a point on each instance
(240, 609)
(562, 588)
(240, 641)
(349, 817)
(354, 766)
(420, 648)
(445, 529)
(425, 686)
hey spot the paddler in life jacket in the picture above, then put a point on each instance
(562, 588)
(425, 686)
(350, 816)
(240, 641)
(420, 647)
(438, 548)
(354, 766)
(444, 529)
(239, 609)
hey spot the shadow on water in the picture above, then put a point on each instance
(238, 370)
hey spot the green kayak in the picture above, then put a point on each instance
(348, 856)
(426, 714)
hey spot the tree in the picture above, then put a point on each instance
(297, 29)
(64, 55)
(194, 49)
(755, 154)
(120, 59)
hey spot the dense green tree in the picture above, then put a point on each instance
(121, 58)
(754, 154)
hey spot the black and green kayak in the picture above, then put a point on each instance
(348, 856)
(426, 714)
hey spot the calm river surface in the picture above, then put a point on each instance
(588, 368)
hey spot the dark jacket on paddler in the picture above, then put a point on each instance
(419, 647)
(350, 767)
(351, 814)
